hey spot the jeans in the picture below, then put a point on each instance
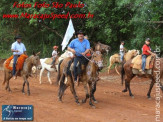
(78, 60)
(14, 64)
(121, 56)
(143, 62)
(53, 61)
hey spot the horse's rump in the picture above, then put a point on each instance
(19, 65)
(137, 62)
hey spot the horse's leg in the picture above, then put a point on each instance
(109, 67)
(91, 95)
(128, 86)
(48, 75)
(23, 87)
(9, 76)
(42, 70)
(150, 89)
(86, 91)
(116, 69)
(93, 90)
(28, 90)
(125, 90)
(73, 90)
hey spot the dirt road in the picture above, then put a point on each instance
(112, 106)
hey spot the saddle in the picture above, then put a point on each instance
(136, 64)
(48, 61)
(19, 64)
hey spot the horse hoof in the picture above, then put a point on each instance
(83, 101)
(78, 103)
(125, 90)
(149, 97)
(95, 101)
(93, 106)
(132, 96)
(28, 94)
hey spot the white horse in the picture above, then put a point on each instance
(48, 66)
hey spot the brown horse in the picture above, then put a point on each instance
(127, 71)
(31, 61)
(114, 59)
(102, 48)
(89, 76)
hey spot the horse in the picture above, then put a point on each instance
(128, 73)
(116, 58)
(31, 61)
(89, 76)
(51, 68)
(102, 48)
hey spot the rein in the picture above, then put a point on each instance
(88, 58)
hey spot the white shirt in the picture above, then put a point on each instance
(18, 46)
(54, 53)
(121, 48)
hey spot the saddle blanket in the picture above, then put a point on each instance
(48, 61)
(19, 64)
(137, 62)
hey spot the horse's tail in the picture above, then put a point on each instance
(65, 74)
(4, 78)
(122, 73)
(59, 75)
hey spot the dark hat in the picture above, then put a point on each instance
(147, 39)
(80, 32)
(18, 37)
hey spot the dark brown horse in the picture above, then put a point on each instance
(89, 77)
(102, 48)
(127, 71)
(31, 61)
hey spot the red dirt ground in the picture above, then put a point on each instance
(112, 106)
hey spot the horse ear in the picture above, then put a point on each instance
(34, 53)
(38, 53)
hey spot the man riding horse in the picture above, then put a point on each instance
(18, 48)
(79, 47)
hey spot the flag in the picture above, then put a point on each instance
(69, 33)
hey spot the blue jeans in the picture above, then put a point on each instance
(144, 62)
(78, 60)
(53, 61)
(14, 64)
(121, 56)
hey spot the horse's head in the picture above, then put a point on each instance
(102, 47)
(97, 58)
(35, 59)
(134, 52)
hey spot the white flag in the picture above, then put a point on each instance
(69, 33)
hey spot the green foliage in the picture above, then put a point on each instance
(114, 21)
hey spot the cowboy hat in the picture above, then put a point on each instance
(17, 37)
(80, 32)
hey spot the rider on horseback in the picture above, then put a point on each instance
(122, 50)
(146, 51)
(79, 47)
(18, 49)
(54, 54)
